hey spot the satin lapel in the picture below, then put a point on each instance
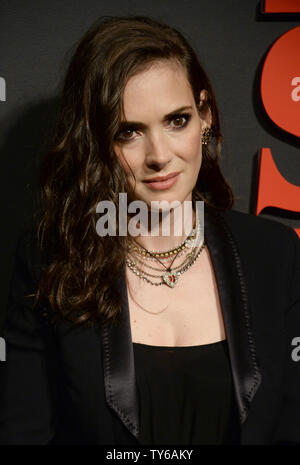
(234, 301)
(118, 362)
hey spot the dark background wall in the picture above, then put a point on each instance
(232, 38)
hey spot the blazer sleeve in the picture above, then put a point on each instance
(26, 405)
(288, 431)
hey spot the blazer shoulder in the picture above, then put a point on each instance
(249, 224)
(28, 253)
(262, 237)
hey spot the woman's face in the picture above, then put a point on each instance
(161, 134)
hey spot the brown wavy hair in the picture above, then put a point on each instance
(80, 168)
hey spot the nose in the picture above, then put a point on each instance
(158, 150)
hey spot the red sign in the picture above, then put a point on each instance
(281, 6)
(280, 93)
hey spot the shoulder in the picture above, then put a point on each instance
(256, 228)
(263, 238)
(29, 258)
(249, 222)
(24, 324)
(269, 250)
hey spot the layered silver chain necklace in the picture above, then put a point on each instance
(194, 242)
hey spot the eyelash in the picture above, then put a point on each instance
(186, 116)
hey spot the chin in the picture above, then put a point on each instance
(169, 197)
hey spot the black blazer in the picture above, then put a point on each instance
(77, 385)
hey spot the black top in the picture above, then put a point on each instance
(186, 394)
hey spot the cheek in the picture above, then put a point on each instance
(133, 165)
(192, 148)
(127, 160)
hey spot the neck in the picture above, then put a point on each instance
(168, 231)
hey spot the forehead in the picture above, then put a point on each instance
(156, 91)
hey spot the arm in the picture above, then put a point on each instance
(25, 392)
(288, 431)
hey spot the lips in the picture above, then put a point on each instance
(163, 182)
(162, 178)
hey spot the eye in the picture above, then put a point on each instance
(180, 120)
(125, 135)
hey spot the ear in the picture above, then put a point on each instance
(204, 109)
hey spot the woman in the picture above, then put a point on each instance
(121, 344)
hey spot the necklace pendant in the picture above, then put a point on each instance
(171, 278)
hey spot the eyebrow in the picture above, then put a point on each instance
(138, 125)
